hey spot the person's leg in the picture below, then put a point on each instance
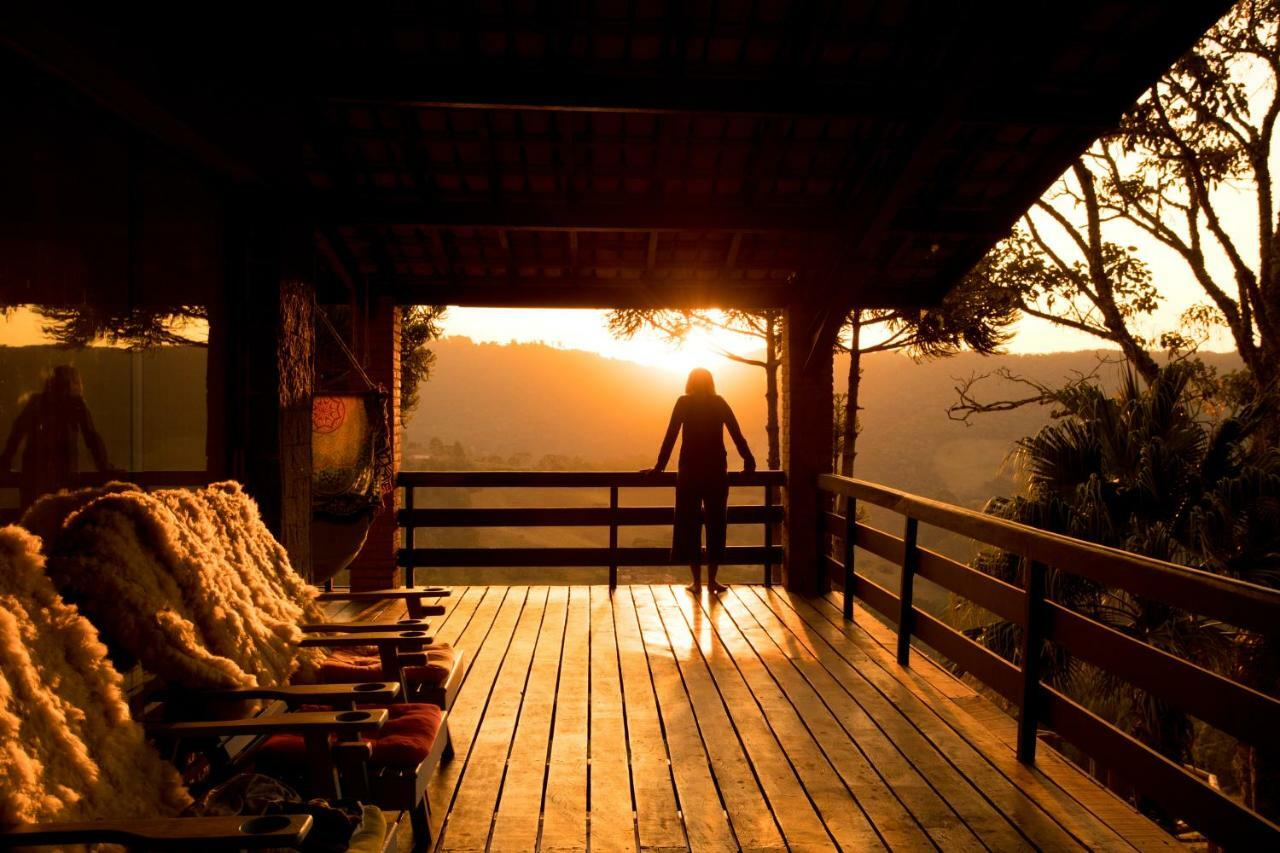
(716, 500)
(686, 534)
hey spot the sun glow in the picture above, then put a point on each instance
(587, 330)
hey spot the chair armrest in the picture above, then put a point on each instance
(178, 833)
(346, 724)
(389, 646)
(304, 694)
(365, 627)
(411, 596)
(413, 640)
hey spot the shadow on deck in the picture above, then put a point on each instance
(759, 720)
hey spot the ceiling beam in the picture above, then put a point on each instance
(56, 54)
(638, 214)
(500, 293)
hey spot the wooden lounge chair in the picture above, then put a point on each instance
(219, 557)
(75, 767)
(204, 599)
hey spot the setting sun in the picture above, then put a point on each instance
(587, 330)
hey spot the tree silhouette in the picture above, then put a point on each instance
(135, 328)
(762, 327)
(1198, 140)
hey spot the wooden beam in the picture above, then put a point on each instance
(481, 87)
(625, 214)
(53, 53)
(568, 293)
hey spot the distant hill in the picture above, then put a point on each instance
(510, 405)
(493, 406)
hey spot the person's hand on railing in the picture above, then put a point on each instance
(650, 471)
(748, 466)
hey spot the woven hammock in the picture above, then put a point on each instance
(352, 467)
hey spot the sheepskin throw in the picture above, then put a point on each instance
(68, 748)
(190, 582)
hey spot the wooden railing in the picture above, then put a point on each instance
(411, 516)
(1246, 714)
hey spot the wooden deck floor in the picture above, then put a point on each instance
(758, 721)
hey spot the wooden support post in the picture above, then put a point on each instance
(768, 536)
(1032, 648)
(850, 532)
(268, 337)
(910, 559)
(613, 537)
(806, 442)
(409, 537)
(377, 565)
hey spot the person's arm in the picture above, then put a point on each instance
(669, 440)
(739, 440)
(21, 425)
(97, 447)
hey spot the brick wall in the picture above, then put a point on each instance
(375, 568)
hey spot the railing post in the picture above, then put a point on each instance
(768, 535)
(910, 557)
(1032, 648)
(850, 531)
(613, 537)
(409, 537)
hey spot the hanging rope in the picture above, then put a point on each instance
(346, 351)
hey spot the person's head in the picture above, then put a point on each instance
(64, 382)
(700, 382)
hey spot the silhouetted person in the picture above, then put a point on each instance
(702, 481)
(50, 423)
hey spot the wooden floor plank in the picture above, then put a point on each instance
(891, 818)
(564, 821)
(502, 607)
(749, 813)
(515, 827)
(927, 680)
(462, 607)
(658, 823)
(942, 800)
(471, 816)
(705, 822)
(1019, 809)
(645, 719)
(811, 802)
(612, 817)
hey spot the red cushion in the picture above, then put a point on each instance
(427, 668)
(404, 741)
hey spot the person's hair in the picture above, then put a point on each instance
(64, 381)
(700, 382)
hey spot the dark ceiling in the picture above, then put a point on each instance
(633, 152)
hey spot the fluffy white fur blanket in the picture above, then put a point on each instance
(190, 582)
(68, 748)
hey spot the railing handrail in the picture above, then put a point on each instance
(410, 517)
(570, 479)
(1234, 601)
(1223, 702)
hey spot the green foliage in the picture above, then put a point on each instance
(419, 325)
(975, 315)
(1152, 470)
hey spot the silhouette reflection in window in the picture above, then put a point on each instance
(49, 428)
